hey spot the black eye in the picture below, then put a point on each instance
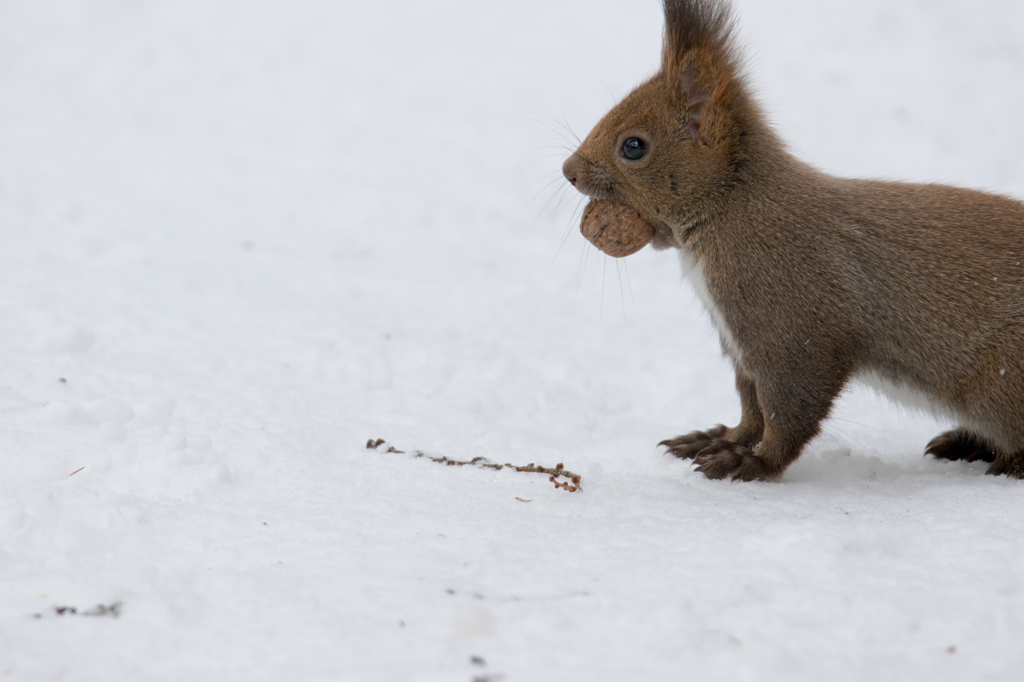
(634, 148)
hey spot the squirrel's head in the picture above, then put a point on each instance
(671, 147)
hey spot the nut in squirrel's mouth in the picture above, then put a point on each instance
(620, 230)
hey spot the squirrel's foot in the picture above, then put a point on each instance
(724, 459)
(692, 444)
(1012, 466)
(961, 444)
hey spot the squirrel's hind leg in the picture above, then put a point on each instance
(1008, 465)
(961, 444)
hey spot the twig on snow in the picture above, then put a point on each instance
(99, 611)
(571, 484)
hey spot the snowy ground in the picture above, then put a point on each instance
(241, 238)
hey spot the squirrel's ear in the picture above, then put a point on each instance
(699, 58)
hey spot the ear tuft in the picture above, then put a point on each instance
(696, 24)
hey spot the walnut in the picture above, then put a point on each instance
(616, 229)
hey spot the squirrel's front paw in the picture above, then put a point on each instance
(722, 459)
(692, 444)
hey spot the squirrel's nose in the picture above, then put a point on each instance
(569, 170)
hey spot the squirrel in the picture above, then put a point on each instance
(813, 280)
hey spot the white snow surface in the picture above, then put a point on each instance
(242, 238)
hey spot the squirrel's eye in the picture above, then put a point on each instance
(634, 148)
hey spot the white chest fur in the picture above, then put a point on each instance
(693, 272)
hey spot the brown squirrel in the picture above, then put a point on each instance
(812, 280)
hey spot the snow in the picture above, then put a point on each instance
(242, 238)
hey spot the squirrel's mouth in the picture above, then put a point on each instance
(663, 238)
(598, 193)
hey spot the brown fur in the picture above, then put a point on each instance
(812, 279)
